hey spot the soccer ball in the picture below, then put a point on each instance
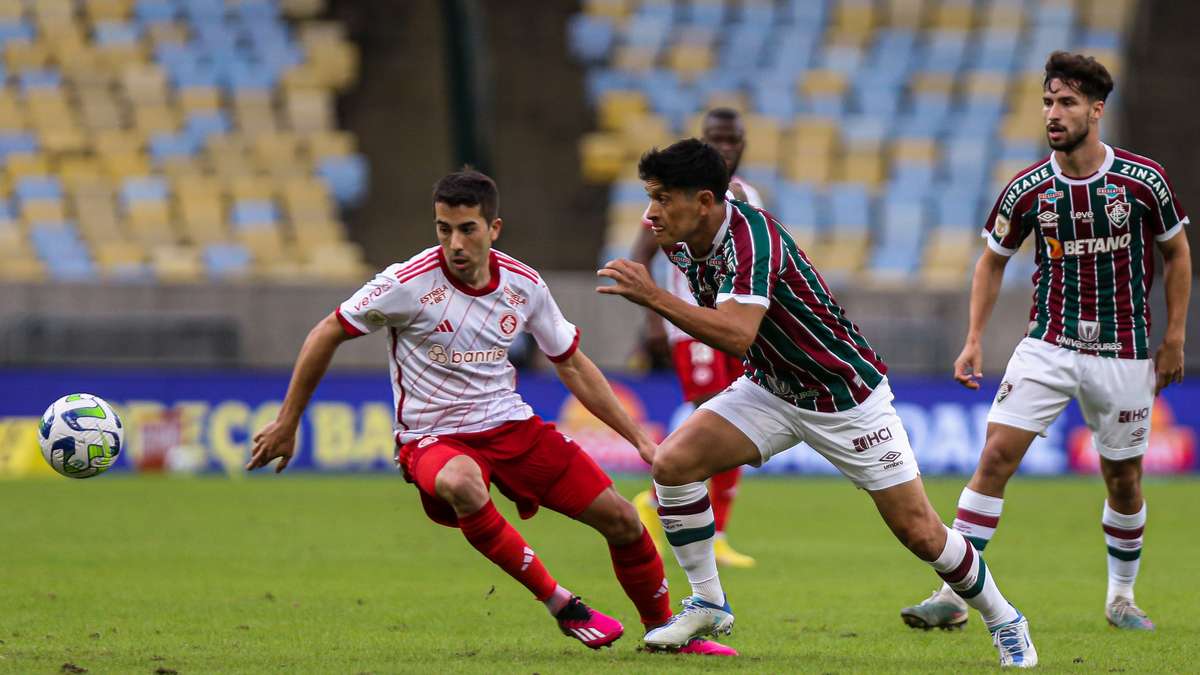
(81, 435)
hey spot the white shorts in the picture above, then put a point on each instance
(1115, 395)
(867, 443)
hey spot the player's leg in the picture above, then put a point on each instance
(1117, 400)
(744, 424)
(1038, 384)
(870, 447)
(907, 511)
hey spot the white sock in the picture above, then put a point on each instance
(1123, 534)
(977, 518)
(557, 600)
(963, 569)
(687, 521)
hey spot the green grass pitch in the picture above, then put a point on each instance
(344, 575)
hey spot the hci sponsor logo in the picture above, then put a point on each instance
(1128, 416)
(864, 443)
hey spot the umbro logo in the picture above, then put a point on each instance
(445, 327)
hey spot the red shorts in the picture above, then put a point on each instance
(529, 461)
(702, 370)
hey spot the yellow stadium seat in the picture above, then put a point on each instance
(152, 232)
(176, 264)
(252, 121)
(328, 144)
(202, 187)
(63, 140)
(335, 64)
(861, 167)
(823, 83)
(602, 155)
(13, 243)
(905, 13)
(181, 167)
(250, 188)
(53, 10)
(1005, 16)
(764, 140)
(275, 149)
(154, 119)
(613, 9)
(342, 262)
(11, 10)
(124, 164)
(167, 32)
(301, 9)
(22, 164)
(43, 211)
(954, 15)
(145, 84)
(616, 107)
(78, 170)
(840, 255)
(633, 59)
(20, 55)
(23, 270)
(107, 10)
(317, 234)
(203, 99)
(856, 16)
(932, 83)
(808, 168)
(1023, 125)
(307, 200)
(690, 60)
(914, 151)
(264, 243)
(116, 141)
(985, 84)
(645, 132)
(148, 213)
(811, 135)
(1114, 15)
(119, 252)
(308, 110)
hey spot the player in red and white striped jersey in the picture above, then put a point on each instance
(1097, 214)
(451, 313)
(703, 371)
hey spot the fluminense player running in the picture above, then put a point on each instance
(811, 377)
(451, 313)
(1097, 213)
(703, 371)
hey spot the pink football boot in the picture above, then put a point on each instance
(585, 624)
(707, 648)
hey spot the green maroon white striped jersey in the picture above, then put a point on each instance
(806, 352)
(1095, 258)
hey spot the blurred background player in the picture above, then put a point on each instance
(703, 371)
(812, 378)
(452, 312)
(1097, 212)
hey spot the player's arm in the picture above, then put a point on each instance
(1177, 274)
(985, 288)
(583, 379)
(730, 327)
(278, 439)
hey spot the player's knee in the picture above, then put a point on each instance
(926, 540)
(622, 525)
(461, 484)
(996, 466)
(673, 468)
(1123, 479)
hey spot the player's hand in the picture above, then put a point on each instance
(968, 367)
(276, 440)
(632, 281)
(1168, 366)
(738, 193)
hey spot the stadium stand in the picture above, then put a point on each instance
(175, 140)
(871, 124)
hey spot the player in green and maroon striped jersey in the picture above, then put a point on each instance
(1097, 213)
(810, 377)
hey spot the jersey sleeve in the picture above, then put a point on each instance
(555, 336)
(382, 301)
(1006, 228)
(752, 258)
(1167, 217)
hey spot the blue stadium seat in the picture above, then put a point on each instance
(824, 106)
(253, 212)
(16, 31)
(841, 59)
(602, 80)
(109, 33)
(627, 192)
(203, 9)
(256, 10)
(645, 30)
(167, 146)
(875, 99)
(849, 207)
(224, 261)
(797, 207)
(806, 12)
(16, 142)
(943, 53)
(32, 188)
(898, 247)
(345, 176)
(39, 79)
(200, 125)
(154, 11)
(59, 247)
(144, 189)
(791, 53)
(957, 207)
(912, 178)
(996, 52)
(775, 99)
(1101, 40)
(590, 38)
(860, 129)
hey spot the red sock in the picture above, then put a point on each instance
(640, 572)
(489, 532)
(721, 490)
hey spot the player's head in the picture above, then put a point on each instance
(722, 128)
(1073, 95)
(686, 183)
(465, 205)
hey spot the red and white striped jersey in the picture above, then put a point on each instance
(677, 284)
(448, 343)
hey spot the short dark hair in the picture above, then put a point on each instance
(689, 164)
(468, 187)
(723, 114)
(1080, 72)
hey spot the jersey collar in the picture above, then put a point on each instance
(1104, 167)
(717, 239)
(493, 267)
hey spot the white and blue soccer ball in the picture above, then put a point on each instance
(81, 435)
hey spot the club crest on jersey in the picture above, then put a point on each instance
(508, 323)
(375, 317)
(1050, 197)
(1006, 388)
(1089, 331)
(1002, 226)
(1118, 213)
